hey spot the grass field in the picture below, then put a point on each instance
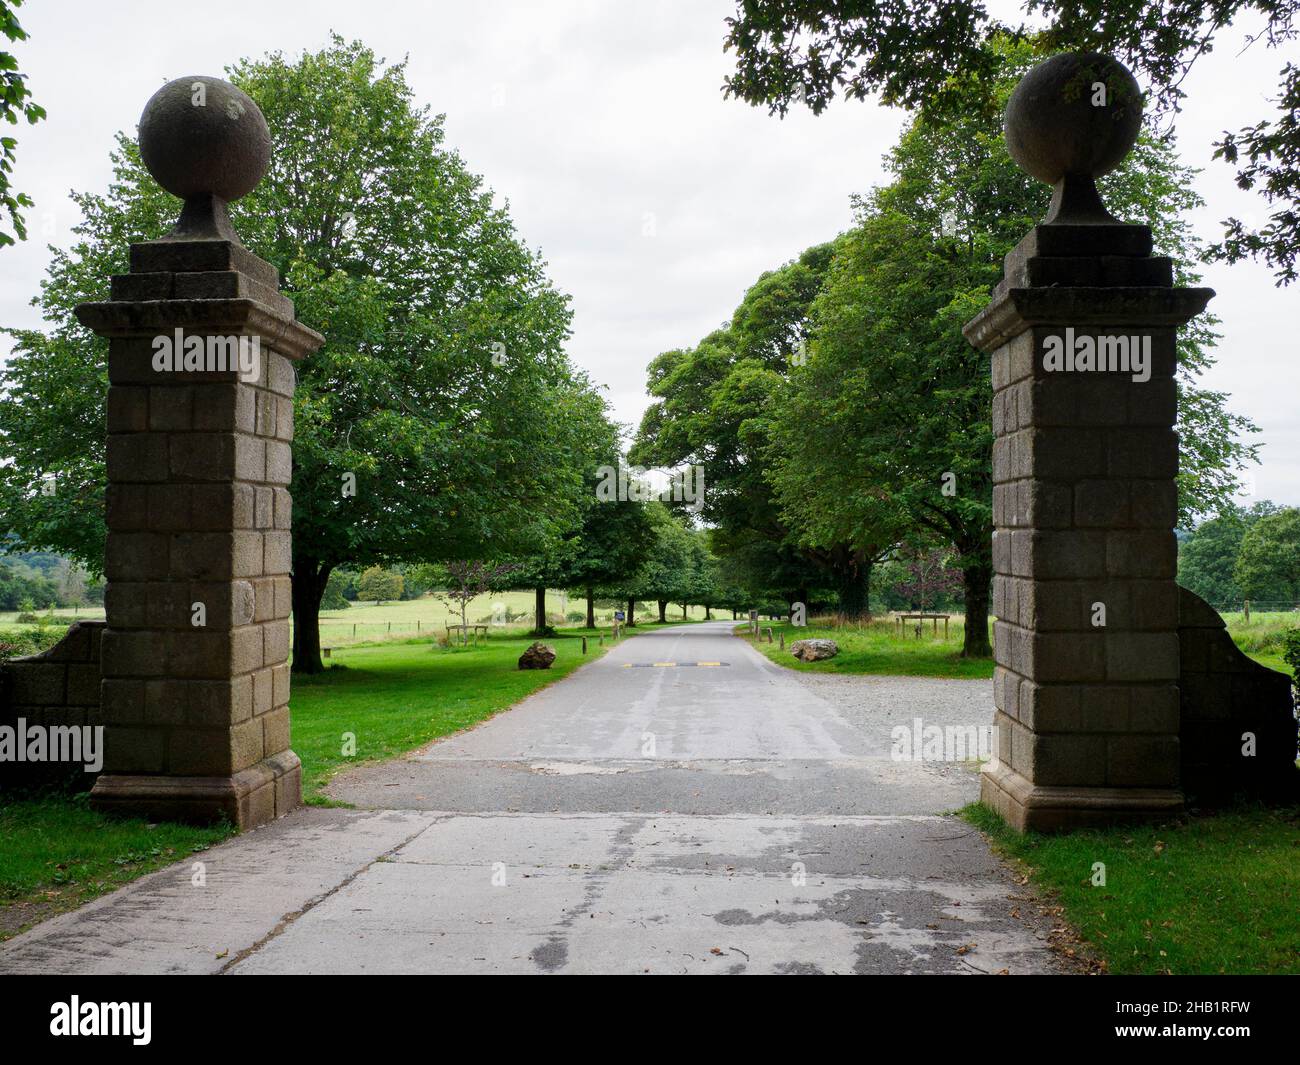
(1261, 637)
(1209, 894)
(877, 647)
(880, 647)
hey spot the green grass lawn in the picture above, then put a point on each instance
(1209, 894)
(877, 647)
(395, 697)
(1261, 637)
(56, 853)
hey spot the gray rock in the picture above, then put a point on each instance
(814, 650)
(538, 656)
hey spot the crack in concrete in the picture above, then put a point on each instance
(289, 918)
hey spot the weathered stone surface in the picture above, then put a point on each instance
(1054, 126)
(1084, 463)
(222, 147)
(537, 656)
(195, 686)
(814, 650)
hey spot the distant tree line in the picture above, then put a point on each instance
(1244, 554)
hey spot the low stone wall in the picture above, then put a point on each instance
(57, 687)
(1223, 695)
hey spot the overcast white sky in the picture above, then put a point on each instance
(602, 121)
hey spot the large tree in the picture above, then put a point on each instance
(15, 103)
(712, 409)
(1268, 562)
(1207, 556)
(594, 540)
(889, 418)
(920, 56)
(425, 425)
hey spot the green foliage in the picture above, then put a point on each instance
(17, 643)
(1291, 652)
(18, 592)
(15, 103)
(929, 57)
(1268, 563)
(379, 585)
(713, 408)
(442, 388)
(334, 597)
(1208, 556)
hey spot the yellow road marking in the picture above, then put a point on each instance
(665, 663)
(708, 663)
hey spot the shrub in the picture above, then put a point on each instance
(380, 585)
(1291, 651)
(15, 643)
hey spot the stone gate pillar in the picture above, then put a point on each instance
(195, 687)
(1082, 332)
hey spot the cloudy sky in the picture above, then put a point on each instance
(655, 201)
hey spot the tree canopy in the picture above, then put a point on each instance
(926, 57)
(15, 103)
(841, 411)
(439, 410)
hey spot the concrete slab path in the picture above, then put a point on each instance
(681, 805)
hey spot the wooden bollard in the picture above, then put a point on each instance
(326, 651)
(783, 641)
(602, 639)
(584, 645)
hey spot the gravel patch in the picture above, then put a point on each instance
(878, 704)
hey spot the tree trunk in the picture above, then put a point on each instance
(663, 611)
(631, 613)
(307, 587)
(591, 607)
(975, 580)
(854, 588)
(708, 612)
(683, 611)
(540, 607)
(735, 614)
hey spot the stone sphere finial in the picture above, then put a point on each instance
(1073, 118)
(207, 142)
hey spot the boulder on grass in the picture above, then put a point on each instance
(814, 650)
(538, 656)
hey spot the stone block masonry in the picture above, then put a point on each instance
(1082, 338)
(198, 555)
(195, 673)
(58, 688)
(1084, 504)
